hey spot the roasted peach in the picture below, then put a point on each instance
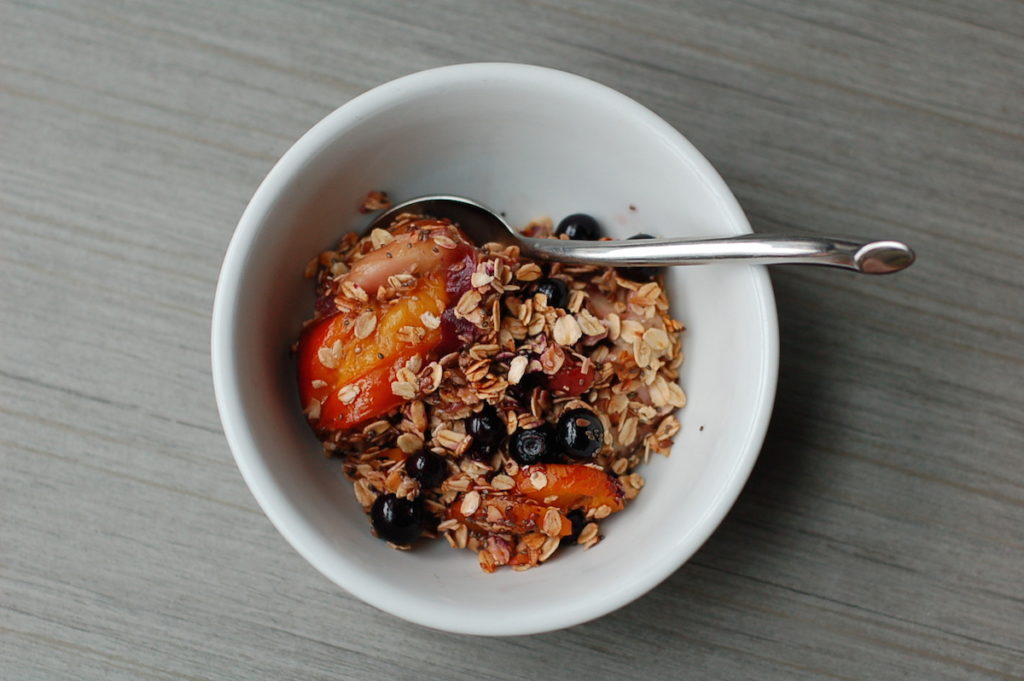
(347, 362)
(569, 486)
(351, 377)
(514, 515)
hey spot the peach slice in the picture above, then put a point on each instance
(347, 362)
(514, 515)
(570, 486)
(351, 377)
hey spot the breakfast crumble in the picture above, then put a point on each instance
(471, 393)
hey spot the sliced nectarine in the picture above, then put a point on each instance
(348, 361)
(514, 515)
(351, 377)
(570, 486)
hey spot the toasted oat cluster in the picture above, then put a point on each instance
(470, 393)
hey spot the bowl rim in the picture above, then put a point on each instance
(312, 546)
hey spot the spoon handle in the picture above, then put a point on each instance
(869, 257)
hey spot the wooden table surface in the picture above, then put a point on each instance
(882, 533)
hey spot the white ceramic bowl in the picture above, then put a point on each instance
(529, 141)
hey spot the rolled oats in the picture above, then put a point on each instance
(631, 330)
(552, 525)
(409, 443)
(517, 368)
(576, 299)
(548, 548)
(404, 389)
(365, 324)
(567, 331)
(538, 480)
(627, 431)
(348, 394)
(481, 279)
(430, 320)
(432, 375)
(529, 272)
(469, 302)
(411, 335)
(381, 237)
(641, 353)
(502, 482)
(445, 241)
(657, 340)
(589, 324)
(470, 503)
(552, 359)
(614, 326)
(677, 398)
(364, 494)
(330, 357)
(461, 535)
(588, 533)
(354, 291)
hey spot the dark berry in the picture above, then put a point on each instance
(486, 427)
(522, 392)
(456, 333)
(579, 433)
(532, 446)
(579, 227)
(427, 467)
(398, 521)
(325, 305)
(481, 453)
(578, 522)
(556, 291)
(639, 273)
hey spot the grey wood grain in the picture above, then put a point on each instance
(882, 533)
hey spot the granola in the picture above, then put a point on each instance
(474, 394)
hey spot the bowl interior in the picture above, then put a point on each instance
(529, 142)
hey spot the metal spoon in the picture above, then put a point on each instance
(483, 225)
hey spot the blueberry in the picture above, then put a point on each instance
(427, 467)
(532, 446)
(639, 273)
(579, 227)
(486, 427)
(579, 433)
(398, 521)
(556, 291)
(522, 392)
(578, 522)
(481, 453)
